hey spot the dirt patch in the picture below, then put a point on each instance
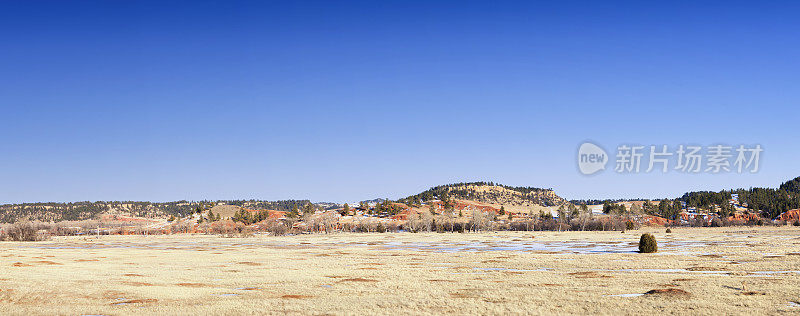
(497, 301)
(682, 280)
(670, 292)
(440, 280)
(588, 275)
(466, 293)
(132, 275)
(193, 284)
(461, 295)
(793, 254)
(20, 264)
(249, 263)
(295, 296)
(47, 262)
(368, 268)
(86, 260)
(134, 283)
(358, 280)
(751, 293)
(711, 256)
(491, 261)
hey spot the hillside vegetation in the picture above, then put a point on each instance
(76, 211)
(488, 192)
(768, 202)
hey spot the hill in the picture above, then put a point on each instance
(769, 202)
(76, 211)
(488, 192)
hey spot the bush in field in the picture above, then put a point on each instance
(381, 228)
(796, 223)
(716, 222)
(240, 232)
(629, 225)
(22, 231)
(224, 227)
(669, 231)
(648, 244)
(274, 227)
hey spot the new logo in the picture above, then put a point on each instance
(591, 158)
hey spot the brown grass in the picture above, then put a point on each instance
(47, 262)
(358, 280)
(193, 284)
(137, 301)
(395, 287)
(588, 275)
(134, 283)
(705, 269)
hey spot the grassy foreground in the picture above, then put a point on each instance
(730, 270)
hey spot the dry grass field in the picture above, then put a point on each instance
(734, 270)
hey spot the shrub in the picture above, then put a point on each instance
(381, 228)
(629, 225)
(277, 228)
(22, 231)
(716, 222)
(796, 223)
(669, 231)
(648, 244)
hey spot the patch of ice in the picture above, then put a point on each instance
(625, 295)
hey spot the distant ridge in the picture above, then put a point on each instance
(488, 192)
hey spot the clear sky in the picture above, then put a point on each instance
(345, 101)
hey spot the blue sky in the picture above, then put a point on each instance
(344, 101)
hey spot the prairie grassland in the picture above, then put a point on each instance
(730, 270)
